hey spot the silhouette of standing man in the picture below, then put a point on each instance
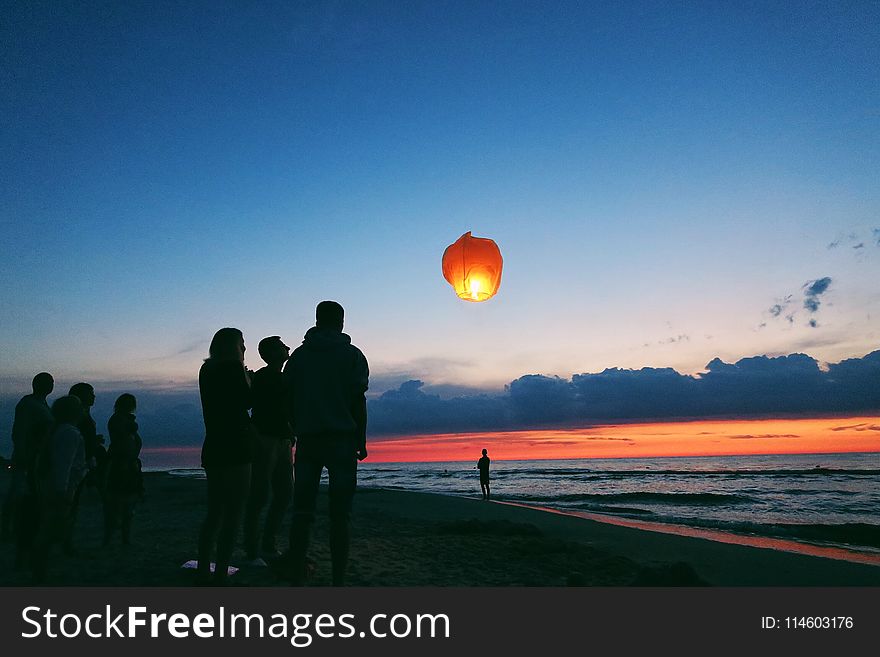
(273, 467)
(326, 378)
(31, 427)
(483, 467)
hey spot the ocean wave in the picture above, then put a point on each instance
(190, 473)
(697, 499)
(745, 472)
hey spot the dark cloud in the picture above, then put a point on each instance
(812, 291)
(761, 385)
(166, 418)
(856, 241)
(749, 436)
(817, 287)
(197, 345)
(858, 427)
(675, 339)
(778, 308)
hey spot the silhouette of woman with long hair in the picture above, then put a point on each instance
(224, 386)
(124, 479)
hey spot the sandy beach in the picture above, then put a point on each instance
(402, 538)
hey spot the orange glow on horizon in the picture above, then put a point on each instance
(643, 440)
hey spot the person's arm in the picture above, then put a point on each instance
(359, 404)
(287, 379)
(137, 443)
(359, 412)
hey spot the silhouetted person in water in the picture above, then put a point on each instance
(31, 428)
(225, 389)
(95, 455)
(483, 467)
(326, 378)
(60, 468)
(124, 484)
(273, 465)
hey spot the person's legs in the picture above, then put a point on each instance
(307, 469)
(70, 525)
(28, 517)
(17, 487)
(54, 522)
(259, 493)
(111, 514)
(235, 495)
(282, 492)
(126, 511)
(342, 470)
(211, 524)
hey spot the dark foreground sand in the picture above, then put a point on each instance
(418, 539)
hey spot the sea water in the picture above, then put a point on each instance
(829, 499)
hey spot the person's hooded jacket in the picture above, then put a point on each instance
(326, 378)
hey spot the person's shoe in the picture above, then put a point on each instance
(256, 562)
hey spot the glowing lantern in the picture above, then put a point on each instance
(473, 267)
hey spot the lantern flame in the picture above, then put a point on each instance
(475, 288)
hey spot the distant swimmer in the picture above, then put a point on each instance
(483, 467)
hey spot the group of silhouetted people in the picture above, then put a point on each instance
(313, 398)
(57, 454)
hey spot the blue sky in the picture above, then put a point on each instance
(658, 176)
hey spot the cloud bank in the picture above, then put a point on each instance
(760, 385)
(755, 386)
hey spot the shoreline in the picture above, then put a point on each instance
(765, 542)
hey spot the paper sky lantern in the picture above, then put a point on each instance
(473, 267)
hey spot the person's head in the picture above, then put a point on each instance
(485, 453)
(329, 314)
(273, 350)
(125, 403)
(67, 409)
(227, 344)
(85, 393)
(43, 384)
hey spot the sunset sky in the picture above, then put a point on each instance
(698, 438)
(668, 183)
